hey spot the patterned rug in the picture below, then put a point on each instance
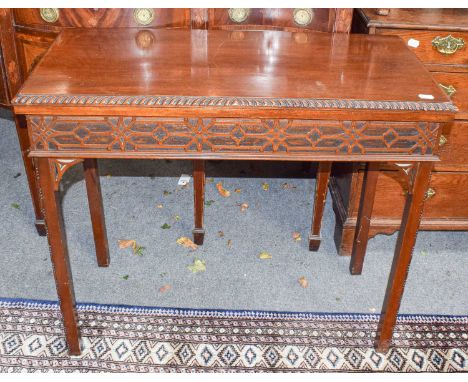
(137, 339)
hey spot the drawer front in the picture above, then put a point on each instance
(454, 146)
(103, 17)
(446, 197)
(427, 52)
(456, 87)
(31, 46)
(292, 19)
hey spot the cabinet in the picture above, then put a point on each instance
(439, 38)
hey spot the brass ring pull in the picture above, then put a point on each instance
(442, 140)
(303, 16)
(430, 193)
(448, 89)
(49, 15)
(238, 15)
(448, 45)
(143, 16)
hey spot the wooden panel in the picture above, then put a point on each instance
(449, 200)
(10, 60)
(460, 82)
(428, 53)
(445, 19)
(103, 18)
(271, 18)
(31, 46)
(4, 99)
(454, 149)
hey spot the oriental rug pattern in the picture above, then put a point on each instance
(138, 339)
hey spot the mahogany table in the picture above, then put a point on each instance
(232, 95)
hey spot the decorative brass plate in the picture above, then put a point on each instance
(442, 140)
(430, 193)
(448, 45)
(303, 16)
(49, 15)
(238, 15)
(143, 16)
(448, 89)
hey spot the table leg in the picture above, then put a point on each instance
(96, 209)
(199, 200)
(366, 204)
(321, 188)
(403, 253)
(30, 170)
(59, 254)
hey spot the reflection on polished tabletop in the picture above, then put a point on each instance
(269, 64)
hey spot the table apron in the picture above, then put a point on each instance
(232, 138)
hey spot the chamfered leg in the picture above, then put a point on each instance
(59, 254)
(96, 209)
(31, 173)
(403, 253)
(320, 197)
(366, 204)
(199, 200)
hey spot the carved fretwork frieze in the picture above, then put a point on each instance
(231, 135)
(60, 167)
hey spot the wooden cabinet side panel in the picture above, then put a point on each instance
(4, 99)
(12, 75)
(31, 46)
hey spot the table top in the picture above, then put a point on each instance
(170, 68)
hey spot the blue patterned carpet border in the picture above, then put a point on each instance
(120, 338)
(227, 313)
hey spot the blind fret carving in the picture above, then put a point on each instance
(235, 135)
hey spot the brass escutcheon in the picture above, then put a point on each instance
(143, 16)
(429, 193)
(303, 16)
(448, 44)
(448, 89)
(442, 140)
(238, 15)
(49, 15)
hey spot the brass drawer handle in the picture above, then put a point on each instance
(238, 15)
(49, 15)
(448, 89)
(448, 45)
(442, 140)
(430, 193)
(143, 16)
(303, 16)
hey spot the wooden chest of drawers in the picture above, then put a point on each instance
(439, 37)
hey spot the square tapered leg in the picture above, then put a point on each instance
(96, 209)
(321, 187)
(366, 205)
(199, 200)
(59, 254)
(403, 253)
